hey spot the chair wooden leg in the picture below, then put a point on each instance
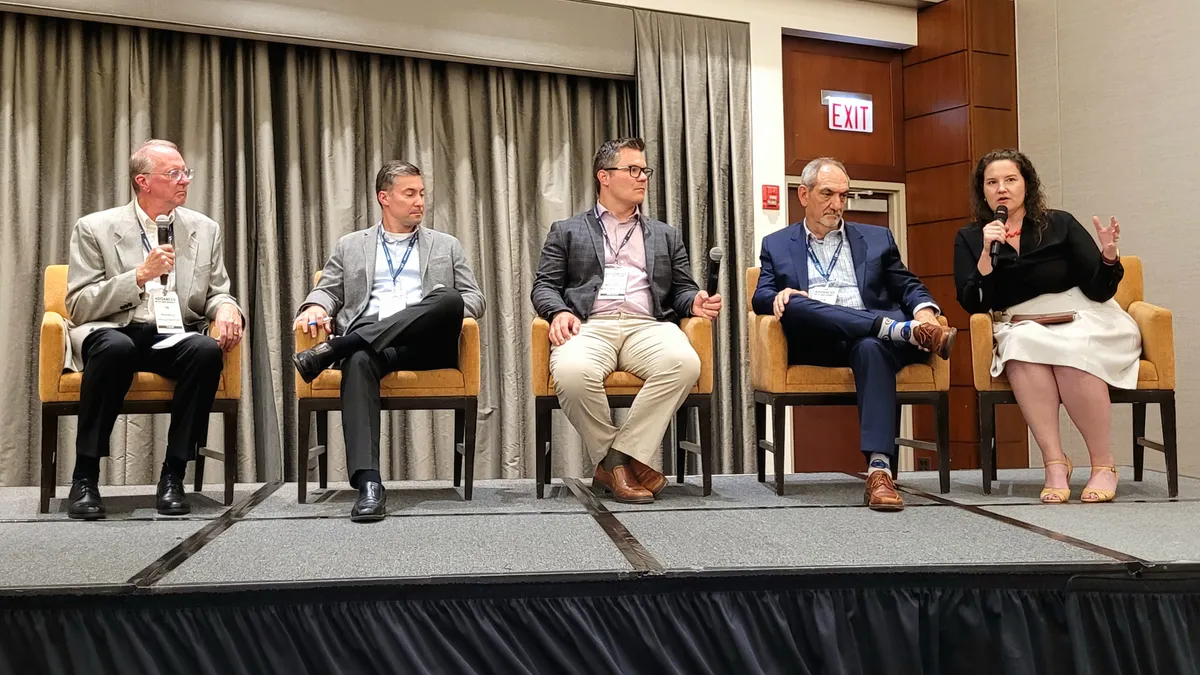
(49, 458)
(198, 466)
(1170, 449)
(682, 422)
(779, 443)
(323, 441)
(303, 420)
(706, 445)
(1139, 431)
(459, 448)
(760, 436)
(472, 416)
(541, 442)
(231, 453)
(942, 415)
(987, 432)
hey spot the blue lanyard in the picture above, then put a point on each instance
(387, 253)
(832, 262)
(170, 237)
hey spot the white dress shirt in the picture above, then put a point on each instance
(408, 282)
(842, 279)
(145, 312)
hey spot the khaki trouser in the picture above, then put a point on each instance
(656, 351)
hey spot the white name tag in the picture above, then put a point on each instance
(825, 294)
(390, 303)
(616, 281)
(167, 315)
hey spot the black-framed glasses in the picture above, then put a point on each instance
(174, 174)
(635, 172)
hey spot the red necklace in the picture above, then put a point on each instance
(1017, 233)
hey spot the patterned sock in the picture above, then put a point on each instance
(879, 462)
(898, 331)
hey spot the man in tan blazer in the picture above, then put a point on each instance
(120, 311)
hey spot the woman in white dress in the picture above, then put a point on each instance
(1048, 264)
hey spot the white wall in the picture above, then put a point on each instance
(1108, 102)
(844, 20)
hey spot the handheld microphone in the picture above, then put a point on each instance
(715, 255)
(1002, 216)
(164, 238)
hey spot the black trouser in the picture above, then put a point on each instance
(111, 357)
(421, 337)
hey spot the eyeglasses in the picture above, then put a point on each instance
(174, 174)
(635, 172)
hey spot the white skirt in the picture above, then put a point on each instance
(1102, 340)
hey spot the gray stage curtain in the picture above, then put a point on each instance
(285, 141)
(693, 89)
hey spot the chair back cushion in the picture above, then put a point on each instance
(751, 284)
(1131, 289)
(54, 290)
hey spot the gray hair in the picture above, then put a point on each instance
(140, 162)
(390, 171)
(808, 177)
(610, 153)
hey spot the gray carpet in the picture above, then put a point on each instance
(122, 502)
(1022, 486)
(288, 549)
(1164, 532)
(407, 498)
(840, 537)
(744, 491)
(75, 553)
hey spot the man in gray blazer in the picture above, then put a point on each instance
(613, 284)
(397, 293)
(120, 317)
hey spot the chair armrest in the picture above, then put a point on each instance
(469, 356)
(303, 342)
(540, 358)
(941, 367)
(1158, 339)
(699, 332)
(981, 351)
(231, 367)
(50, 355)
(768, 353)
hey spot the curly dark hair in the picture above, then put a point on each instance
(1035, 196)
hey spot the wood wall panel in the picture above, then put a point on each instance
(940, 193)
(992, 27)
(944, 295)
(991, 130)
(960, 361)
(931, 247)
(993, 81)
(937, 85)
(941, 30)
(938, 139)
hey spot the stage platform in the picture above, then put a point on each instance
(504, 546)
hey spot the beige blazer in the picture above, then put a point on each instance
(106, 249)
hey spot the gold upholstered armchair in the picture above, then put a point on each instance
(622, 387)
(778, 384)
(1155, 382)
(149, 393)
(454, 389)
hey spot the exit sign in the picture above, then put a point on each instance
(851, 114)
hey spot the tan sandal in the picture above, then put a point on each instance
(1094, 496)
(1063, 494)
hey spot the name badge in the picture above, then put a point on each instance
(616, 281)
(390, 303)
(167, 314)
(825, 294)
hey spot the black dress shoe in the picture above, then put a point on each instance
(85, 502)
(371, 504)
(310, 362)
(171, 500)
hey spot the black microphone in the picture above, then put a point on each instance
(164, 238)
(1002, 216)
(715, 255)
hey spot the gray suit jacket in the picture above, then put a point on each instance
(106, 249)
(347, 279)
(571, 269)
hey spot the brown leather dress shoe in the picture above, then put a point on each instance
(881, 493)
(937, 339)
(622, 485)
(652, 480)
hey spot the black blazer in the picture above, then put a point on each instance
(571, 269)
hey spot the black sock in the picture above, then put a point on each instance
(86, 468)
(344, 346)
(363, 476)
(174, 468)
(613, 459)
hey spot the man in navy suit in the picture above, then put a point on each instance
(844, 298)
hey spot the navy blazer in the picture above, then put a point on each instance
(884, 282)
